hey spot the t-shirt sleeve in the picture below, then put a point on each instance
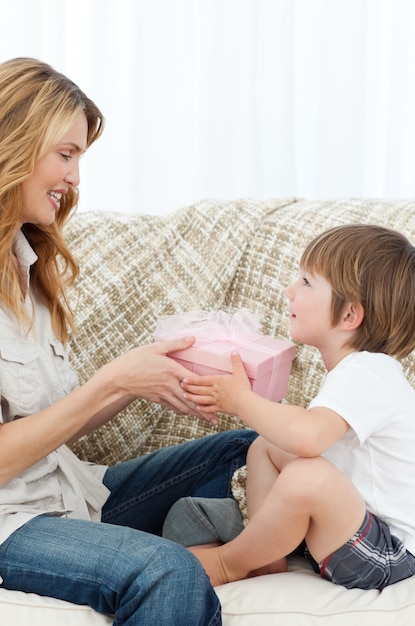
(358, 394)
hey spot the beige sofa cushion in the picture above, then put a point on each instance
(135, 269)
(212, 255)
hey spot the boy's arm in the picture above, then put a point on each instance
(303, 432)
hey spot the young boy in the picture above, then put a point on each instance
(341, 473)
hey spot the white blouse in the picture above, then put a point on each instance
(35, 373)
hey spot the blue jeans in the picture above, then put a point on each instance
(114, 566)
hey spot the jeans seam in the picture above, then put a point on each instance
(217, 618)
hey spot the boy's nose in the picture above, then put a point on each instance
(288, 292)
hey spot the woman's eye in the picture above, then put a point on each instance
(66, 156)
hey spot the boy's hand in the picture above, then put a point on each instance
(218, 393)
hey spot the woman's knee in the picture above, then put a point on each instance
(165, 575)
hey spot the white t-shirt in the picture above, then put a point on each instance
(34, 374)
(370, 392)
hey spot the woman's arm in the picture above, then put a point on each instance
(144, 372)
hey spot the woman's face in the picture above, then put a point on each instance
(53, 175)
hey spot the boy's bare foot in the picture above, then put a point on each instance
(211, 560)
(215, 566)
(276, 567)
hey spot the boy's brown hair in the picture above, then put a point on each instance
(375, 267)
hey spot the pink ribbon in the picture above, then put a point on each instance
(208, 327)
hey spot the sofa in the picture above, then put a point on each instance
(213, 255)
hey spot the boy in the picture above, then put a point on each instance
(341, 473)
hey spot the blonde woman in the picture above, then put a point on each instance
(84, 533)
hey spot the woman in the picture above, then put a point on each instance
(52, 505)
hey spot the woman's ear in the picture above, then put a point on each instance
(353, 316)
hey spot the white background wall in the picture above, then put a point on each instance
(231, 98)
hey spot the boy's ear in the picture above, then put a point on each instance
(353, 316)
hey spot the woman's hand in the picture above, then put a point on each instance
(144, 372)
(147, 372)
(218, 393)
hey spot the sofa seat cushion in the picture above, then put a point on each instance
(29, 609)
(300, 597)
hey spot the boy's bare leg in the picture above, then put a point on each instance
(311, 499)
(264, 464)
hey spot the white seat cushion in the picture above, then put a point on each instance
(297, 598)
(301, 598)
(28, 609)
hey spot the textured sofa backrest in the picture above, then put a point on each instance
(212, 255)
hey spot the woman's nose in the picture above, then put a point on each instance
(73, 177)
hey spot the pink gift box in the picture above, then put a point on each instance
(267, 360)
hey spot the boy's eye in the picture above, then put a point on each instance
(305, 282)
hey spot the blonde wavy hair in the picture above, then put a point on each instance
(38, 105)
(374, 267)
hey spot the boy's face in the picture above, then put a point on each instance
(310, 310)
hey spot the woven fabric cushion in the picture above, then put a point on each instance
(135, 268)
(212, 255)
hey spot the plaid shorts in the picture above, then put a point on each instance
(372, 559)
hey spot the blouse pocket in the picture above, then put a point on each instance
(20, 376)
(66, 378)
